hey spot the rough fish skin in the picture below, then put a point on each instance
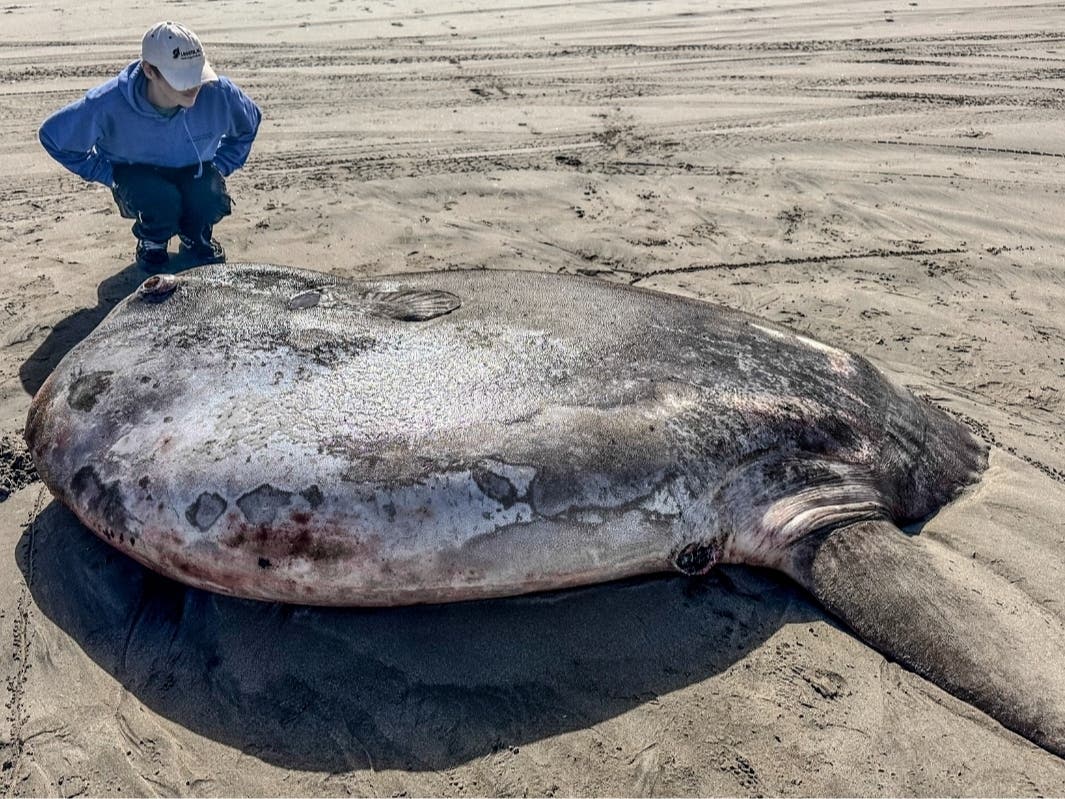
(283, 434)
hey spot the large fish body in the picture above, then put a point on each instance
(287, 435)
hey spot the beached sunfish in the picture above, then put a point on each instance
(287, 435)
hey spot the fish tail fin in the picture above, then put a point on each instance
(945, 617)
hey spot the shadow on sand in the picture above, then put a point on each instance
(68, 332)
(416, 688)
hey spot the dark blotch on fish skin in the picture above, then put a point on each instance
(331, 353)
(697, 558)
(313, 495)
(495, 486)
(303, 300)
(829, 435)
(205, 511)
(85, 390)
(264, 563)
(261, 505)
(104, 501)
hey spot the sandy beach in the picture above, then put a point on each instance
(885, 177)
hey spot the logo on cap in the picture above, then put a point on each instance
(176, 52)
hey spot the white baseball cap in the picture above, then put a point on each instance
(176, 52)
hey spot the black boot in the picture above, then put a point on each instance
(152, 255)
(207, 251)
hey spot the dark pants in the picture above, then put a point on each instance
(165, 201)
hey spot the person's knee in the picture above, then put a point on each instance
(206, 198)
(141, 193)
(218, 206)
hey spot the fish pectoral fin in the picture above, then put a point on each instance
(947, 618)
(412, 305)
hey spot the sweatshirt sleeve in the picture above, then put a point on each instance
(70, 135)
(236, 144)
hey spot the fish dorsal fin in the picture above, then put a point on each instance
(411, 305)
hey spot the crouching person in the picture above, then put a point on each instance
(163, 135)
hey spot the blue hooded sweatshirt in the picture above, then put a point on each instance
(115, 124)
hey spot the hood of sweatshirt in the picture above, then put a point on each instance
(133, 84)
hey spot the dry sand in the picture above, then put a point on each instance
(884, 176)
